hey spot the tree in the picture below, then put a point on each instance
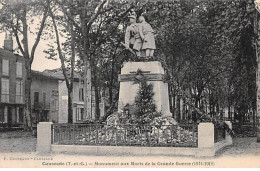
(18, 17)
(110, 65)
(186, 48)
(94, 23)
(144, 103)
(238, 33)
(97, 23)
(200, 43)
(257, 48)
(67, 24)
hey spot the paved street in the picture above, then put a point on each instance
(241, 146)
(17, 141)
(24, 142)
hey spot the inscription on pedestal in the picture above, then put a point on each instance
(149, 77)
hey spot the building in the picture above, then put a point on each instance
(12, 75)
(44, 97)
(44, 90)
(79, 115)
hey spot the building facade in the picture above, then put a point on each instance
(12, 76)
(44, 98)
(44, 91)
(79, 114)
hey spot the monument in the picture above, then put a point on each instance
(139, 39)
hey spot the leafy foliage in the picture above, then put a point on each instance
(144, 103)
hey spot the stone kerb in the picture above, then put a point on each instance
(44, 137)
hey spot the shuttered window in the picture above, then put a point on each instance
(19, 92)
(81, 94)
(19, 70)
(5, 67)
(4, 90)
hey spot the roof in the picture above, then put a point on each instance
(39, 74)
(51, 75)
(4, 52)
(59, 74)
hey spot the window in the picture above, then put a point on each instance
(19, 69)
(19, 92)
(52, 104)
(5, 67)
(21, 115)
(82, 113)
(79, 114)
(17, 115)
(44, 99)
(56, 104)
(36, 100)
(5, 90)
(2, 119)
(81, 94)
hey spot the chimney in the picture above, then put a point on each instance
(8, 42)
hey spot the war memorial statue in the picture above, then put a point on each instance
(139, 39)
(147, 36)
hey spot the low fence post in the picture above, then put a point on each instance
(228, 136)
(44, 137)
(205, 139)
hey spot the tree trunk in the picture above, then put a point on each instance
(178, 114)
(23, 46)
(70, 103)
(254, 121)
(258, 98)
(87, 89)
(173, 105)
(197, 99)
(69, 81)
(257, 47)
(170, 99)
(28, 112)
(97, 112)
(110, 95)
(111, 86)
(229, 111)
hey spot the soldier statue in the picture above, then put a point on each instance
(139, 37)
(132, 36)
(147, 35)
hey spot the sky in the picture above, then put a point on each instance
(40, 63)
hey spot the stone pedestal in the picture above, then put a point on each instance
(206, 140)
(44, 137)
(154, 73)
(206, 135)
